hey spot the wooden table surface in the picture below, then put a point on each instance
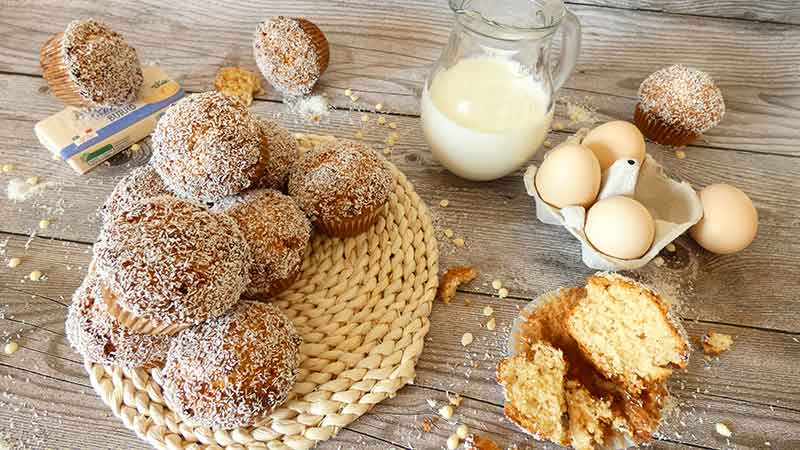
(383, 51)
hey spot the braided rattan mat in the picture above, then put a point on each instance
(362, 307)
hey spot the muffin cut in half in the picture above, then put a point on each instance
(624, 330)
(534, 388)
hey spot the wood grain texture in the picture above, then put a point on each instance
(755, 379)
(384, 51)
(503, 238)
(780, 11)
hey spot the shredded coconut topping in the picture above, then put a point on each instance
(683, 96)
(230, 371)
(173, 261)
(287, 56)
(278, 234)
(101, 338)
(283, 152)
(140, 184)
(207, 146)
(104, 68)
(340, 180)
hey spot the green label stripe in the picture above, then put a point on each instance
(100, 151)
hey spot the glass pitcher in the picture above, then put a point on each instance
(487, 105)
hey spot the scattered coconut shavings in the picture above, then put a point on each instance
(312, 108)
(20, 190)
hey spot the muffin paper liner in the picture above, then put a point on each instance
(659, 132)
(56, 74)
(349, 227)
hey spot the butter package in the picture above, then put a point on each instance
(84, 138)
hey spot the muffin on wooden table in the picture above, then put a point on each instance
(233, 370)
(138, 185)
(101, 338)
(89, 64)
(167, 264)
(342, 186)
(292, 53)
(278, 233)
(283, 153)
(677, 104)
(208, 146)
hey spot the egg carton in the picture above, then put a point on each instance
(674, 205)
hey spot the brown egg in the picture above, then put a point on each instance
(615, 140)
(730, 221)
(620, 227)
(569, 176)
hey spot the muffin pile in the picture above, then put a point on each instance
(193, 244)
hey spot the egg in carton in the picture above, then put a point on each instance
(674, 205)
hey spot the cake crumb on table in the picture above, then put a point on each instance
(459, 242)
(452, 279)
(716, 343)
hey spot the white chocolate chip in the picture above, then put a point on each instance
(14, 262)
(491, 324)
(348, 92)
(453, 442)
(671, 248)
(502, 292)
(462, 431)
(7, 168)
(354, 98)
(444, 203)
(658, 261)
(11, 348)
(381, 120)
(359, 135)
(387, 152)
(497, 284)
(365, 118)
(393, 125)
(723, 429)
(33, 181)
(44, 224)
(446, 411)
(459, 242)
(36, 275)
(136, 147)
(466, 339)
(680, 154)
(488, 311)
(379, 106)
(454, 399)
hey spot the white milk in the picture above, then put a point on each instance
(484, 118)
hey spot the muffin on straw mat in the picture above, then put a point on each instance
(208, 146)
(101, 338)
(138, 185)
(278, 233)
(167, 264)
(283, 153)
(342, 186)
(233, 370)
(89, 64)
(292, 53)
(677, 104)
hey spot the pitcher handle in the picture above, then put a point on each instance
(570, 49)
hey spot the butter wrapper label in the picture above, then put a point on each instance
(86, 137)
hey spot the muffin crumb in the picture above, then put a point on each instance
(716, 343)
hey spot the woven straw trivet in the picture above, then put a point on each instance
(362, 307)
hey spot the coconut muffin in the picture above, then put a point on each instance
(101, 338)
(207, 146)
(283, 153)
(677, 104)
(232, 370)
(167, 264)
(278, 234)
(292, 54)
(342, 186)
(140, 184)
(89, 64)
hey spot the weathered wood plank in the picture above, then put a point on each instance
(503, 238)
(756, 378)
(385, 50)
(781, 11)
